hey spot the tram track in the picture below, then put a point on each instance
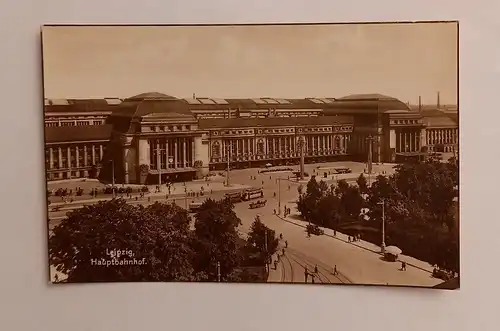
(315, 262)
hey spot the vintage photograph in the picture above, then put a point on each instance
(288, 153)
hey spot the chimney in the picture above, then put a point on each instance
(419, 103)
(438, 101)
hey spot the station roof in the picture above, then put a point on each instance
(62, 134)
(151, 96)
(80, 105)
(366, 104)
(437, 118)
(351, 104)
(214, 123)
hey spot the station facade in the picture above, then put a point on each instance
(153, 137)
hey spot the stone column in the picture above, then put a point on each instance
(144, 152)
(201, 154)
(85, 156)
(101, 153)
(77, 157)
(93, 155)
(51, 158)
(184, 153)
(191, 145)
(423, 137)
(59, 155)
(85, 161)
(175, 153)
(68, 156)
(392, 143)
(125, 164)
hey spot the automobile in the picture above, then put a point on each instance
(194, 206)
(314, 229)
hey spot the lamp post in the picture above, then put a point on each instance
(370, 139)
(218, 271)
(185, 198)
(113, 177)
(228, 153)
(302, 158)
(382, 245)
(279, 195)
(158, 157)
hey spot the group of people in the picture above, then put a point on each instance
(354, 238)
(278, 258)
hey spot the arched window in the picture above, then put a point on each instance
(337, 143)
(260, 146)
(216, 149)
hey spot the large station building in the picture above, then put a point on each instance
(153, 136)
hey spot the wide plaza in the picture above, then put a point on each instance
(358, 262)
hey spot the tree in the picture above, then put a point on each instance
(151, 249)
(257, 239)
(362, 184)
(216, 239)
(419, 218)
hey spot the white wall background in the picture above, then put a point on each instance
(29, 303)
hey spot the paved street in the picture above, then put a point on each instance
(356, 262)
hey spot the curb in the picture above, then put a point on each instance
(365, 248)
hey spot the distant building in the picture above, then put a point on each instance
(153, 136)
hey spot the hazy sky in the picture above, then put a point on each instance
(404, 61)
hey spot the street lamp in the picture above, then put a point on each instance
(228, 154)
(382, 245)
(279, 195)
(113, 176)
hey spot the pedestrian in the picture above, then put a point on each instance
(286, 243)
(306, 274)
(334, 233)
(282, 251)
(316, 269)
(274, 211)
(281, 235)
(312, 278)
(335, 272)
(56, 278)
(275, 265)
(403, 266)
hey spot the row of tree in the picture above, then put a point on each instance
(162, 236)
(420, 209)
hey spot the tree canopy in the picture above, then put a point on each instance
(419, 205)
(90, 234)
(97, 242)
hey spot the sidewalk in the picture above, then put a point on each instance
(410, 261)
(176, 192)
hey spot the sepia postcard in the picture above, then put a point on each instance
(287, 153)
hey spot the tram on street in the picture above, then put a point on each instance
(252, 193)
(234, 196)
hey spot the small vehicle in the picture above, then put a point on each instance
(252, 193)
(314, 229)
(258, 204)
(297, 174)
(343, 170)
(194, 206)
(441, 274)
(234, 197)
